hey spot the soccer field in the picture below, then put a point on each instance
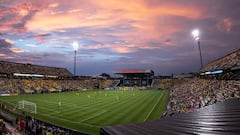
(87, 111)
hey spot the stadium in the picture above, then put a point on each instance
(51, 97)
(119, 67)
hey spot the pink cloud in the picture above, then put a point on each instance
(9, 41)
(2, 55)
(53, 5)
(16, 50)
(107, 13)
(225, 24)
(14, 15)
(114, 48)
(122, 49)
(5, 28)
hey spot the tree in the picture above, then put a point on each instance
(105, 75)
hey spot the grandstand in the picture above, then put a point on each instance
(216, 85)
(216, 90)
(229, 61)
(20, 78)
(227, 67)
(135, 78)
(188, 94)
(30, 85)
(29, 70)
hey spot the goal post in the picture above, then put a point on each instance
(27, 106)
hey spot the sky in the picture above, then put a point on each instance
(118, 34)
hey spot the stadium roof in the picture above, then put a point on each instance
(220, 118)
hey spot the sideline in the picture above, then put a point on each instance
(154, 107)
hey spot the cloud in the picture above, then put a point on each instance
(119, 34)
(107, 15)
(5, 49)
(123, 49)
(53, 5)
(16, 50)
(74, 10)
(9, 41)
(5, 28)
(2, 55)
(14, 16)
(39, 37)
(30, 45)
(225, 24)
(44, 21)
(5, 43)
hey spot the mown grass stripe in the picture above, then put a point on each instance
(157, 111)
(103, 108)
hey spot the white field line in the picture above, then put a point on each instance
(73, 105)
(153, 108)
(103, 106)
(77, 107)
(70, 121)
(61, 118)
(66, 103)
(10, 102)
(48, 109)
(78, 110)
(55, 112)
(93, 116)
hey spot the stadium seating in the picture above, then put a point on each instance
(10, 68)
(186, 94)
(196, 93)
(225, 62)
(23, 86)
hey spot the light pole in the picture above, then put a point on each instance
(75, 48)
(195, 34)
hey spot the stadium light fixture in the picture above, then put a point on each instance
(75, 48)
(196, 34)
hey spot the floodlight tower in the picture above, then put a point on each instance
(75, 48)
(195, 34)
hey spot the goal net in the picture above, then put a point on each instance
(27, 106)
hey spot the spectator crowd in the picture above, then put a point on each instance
(226, 62)
(195, 93)
(10, 68)
(186, 94)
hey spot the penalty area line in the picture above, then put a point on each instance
(100, 113)
(70, 121)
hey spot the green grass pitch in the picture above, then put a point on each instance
(87, 111)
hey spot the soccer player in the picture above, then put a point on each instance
(59, 104)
